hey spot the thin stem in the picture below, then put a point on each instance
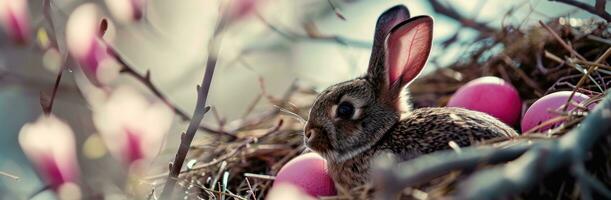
(314, 37)
(14, 177)
(338, 13)
(198, 114)
(49, 107)
(146, 81)
(597, 9)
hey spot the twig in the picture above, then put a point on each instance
(584, 77)
(220, 192)
(39, 191)
(202, 95)
(145, 79)
(14, 177)
(315, 37)
(235, 150)
(598, 9)
(452, 13)
(47, 106)
(47, 103)
(338, 12)
(252, 191)
(222, 158)
(564, 44)
(599, 39)
(259, 176)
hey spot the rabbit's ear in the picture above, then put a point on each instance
(407, 48)
(387, 20)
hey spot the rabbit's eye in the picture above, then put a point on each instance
(345, 110)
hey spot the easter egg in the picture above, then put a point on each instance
(490, 95)
(541, 110)
(309, 173)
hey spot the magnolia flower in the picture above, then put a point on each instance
(15, 19)
(49, 144)
(127, 10)
(132, 127)
(87, 47)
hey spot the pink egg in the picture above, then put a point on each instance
(309, 173)
(540, 111)
(490, 95)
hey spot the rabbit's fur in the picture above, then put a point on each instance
(350, 138)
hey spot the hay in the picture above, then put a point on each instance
(535, 61)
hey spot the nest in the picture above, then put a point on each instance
(544, 59)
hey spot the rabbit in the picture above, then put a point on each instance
(353, 121)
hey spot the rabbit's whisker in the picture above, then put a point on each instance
(293, 114)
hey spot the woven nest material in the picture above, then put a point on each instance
(534, 61)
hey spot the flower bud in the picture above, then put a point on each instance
(49, 144)
(132, 127)
(88, 48)
(15, 19)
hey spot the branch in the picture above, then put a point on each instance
(338, 12)
(452, 13)
(198, 114)
(46, 102)
(571, 149)
(315, 37)
(533, 163)
(392, 178)
(145, 79)
(598, 9)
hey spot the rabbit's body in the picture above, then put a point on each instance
(423, 131)
(352, 122)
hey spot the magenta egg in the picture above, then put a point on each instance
(309, 173)
(542, 109)
(490, 95)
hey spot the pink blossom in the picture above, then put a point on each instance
(132, 127)
(88, 48)
(15, 19)
(49, 144)
(127, 10)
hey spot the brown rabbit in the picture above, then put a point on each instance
(353, 121)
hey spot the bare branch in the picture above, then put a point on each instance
(392, 178)
(46, 102)
(338, 12)
(198, 114)
(534, 163)
(543, 158)
(452, 13)
(315, 37)
(146, 80)
(599, 8)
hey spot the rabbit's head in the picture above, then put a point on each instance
(350, 117)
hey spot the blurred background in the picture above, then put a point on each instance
(282, 41)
